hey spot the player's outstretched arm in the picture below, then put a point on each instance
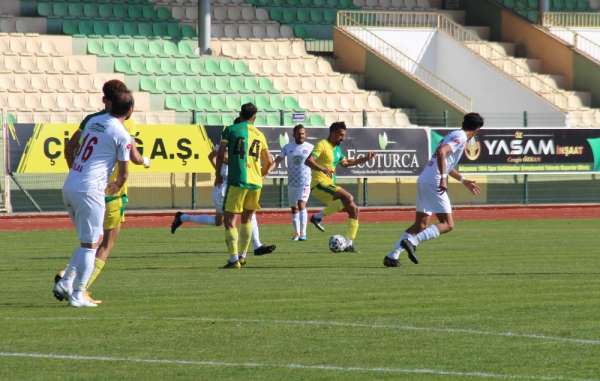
(361, 160)
(136, 156)
(471, 185)
(71, 147)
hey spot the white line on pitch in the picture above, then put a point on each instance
(323, 367)
(331, 323)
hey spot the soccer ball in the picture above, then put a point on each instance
(337, 243)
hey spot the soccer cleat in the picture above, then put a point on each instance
(410, 250)
(60, 291)
(317, 222)
(88, 296)
(242, 261)
(176, 222)
(350, 249)
(264, 249)
(81, 302)
(233, 265)
(390, 262)
(296, 238)
(302, 238)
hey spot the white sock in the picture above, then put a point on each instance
(397, 251)
(319, 215)
(255, 236)
(296, 223)
(84, 260)
(431, 232)
(202, 219)
(303, 222)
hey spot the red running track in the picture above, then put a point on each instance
(137, 219)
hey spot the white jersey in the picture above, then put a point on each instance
(224, 167)
(457, 141)
(298, 172)
(103, 141)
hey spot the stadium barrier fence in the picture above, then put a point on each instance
(571, 19)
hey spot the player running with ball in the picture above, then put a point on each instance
(432, 192)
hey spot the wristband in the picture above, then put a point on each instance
(462, 179)
(445, 177)
(146, 162)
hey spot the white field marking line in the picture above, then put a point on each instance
(324, 367)
(332, 323)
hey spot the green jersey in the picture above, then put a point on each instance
(244, 144)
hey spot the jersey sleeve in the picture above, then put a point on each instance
(123, 146)
(455, 141)
(284, 150)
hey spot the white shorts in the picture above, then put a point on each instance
(218, 196)
(296, 194)
(87, 212)
(430, 201)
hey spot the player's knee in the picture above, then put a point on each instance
(449, 226)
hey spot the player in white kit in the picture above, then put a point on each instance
(218, 196)
(299, 177)
(104, 143)
(432, 192)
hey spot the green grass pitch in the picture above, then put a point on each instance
(497, 300)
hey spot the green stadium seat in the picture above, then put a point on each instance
(237, 85)
(70, 27)
(198, 67)
(290, 103)
(263, 103)
(163, 85)
(316, 16)
(571, 5)
(212, 67)
(233, 102)
(218, 103)
(120, 11)
(222, 85)
(115, 28)
(276, 14)
(144, 29)
(261, 119)
(138, 66)
(155, 66)
(188, 102)
(252, 86)
(87, 28)
(141, 48)
(303, 16)
(159, 29)
(148, 12)
(247, 98)
(95, 47)
(226, 68)
(509, 3)
(583, 5)
(316, 120)
(185, 49)
(75, 10)
(228, 119)
(105, 11)
(533, 16)
(111, 47)
(240, 68)
(148, 84)
(170, 49)
(90, 11)
(266, 85)
(192, 85)
(179, 67)
(208, 85)
(178, 85)
(123, 65)
(60, 10)
(203, 103)
(276, 102)
(300, 31)
(173, 102)
(329, 16)
(288, 16)
(173, 30)
(163, 13)
(44, 9)
(135, 12)
(319, 3)
(188, 31)
(214, 120)
(156, 48)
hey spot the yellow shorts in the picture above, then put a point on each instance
(114, 215)
(324, 192)
(239, 199)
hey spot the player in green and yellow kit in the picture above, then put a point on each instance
(249, 161)
(325, 157)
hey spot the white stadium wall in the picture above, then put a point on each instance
(588, 34)
(492, 91)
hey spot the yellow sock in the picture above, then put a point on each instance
(99, 265)
(352, 228)
(231, 239)
(245, 237)
(333, 207)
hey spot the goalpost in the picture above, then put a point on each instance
(5, 203)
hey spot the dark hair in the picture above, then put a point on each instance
(112, 87)
(336, 126)
(122, 103)
(472, 122)
(297, 127)
(247, 111)
(237, 120)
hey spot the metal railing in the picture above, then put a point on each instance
(484, 48)
(411, 67)
(571, 19)
(578, 41)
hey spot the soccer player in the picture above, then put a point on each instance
(248, 160)
(432, 192)
(323, 160)
(114, 215)
(218, 196)
(298, 179)
(105, 142)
